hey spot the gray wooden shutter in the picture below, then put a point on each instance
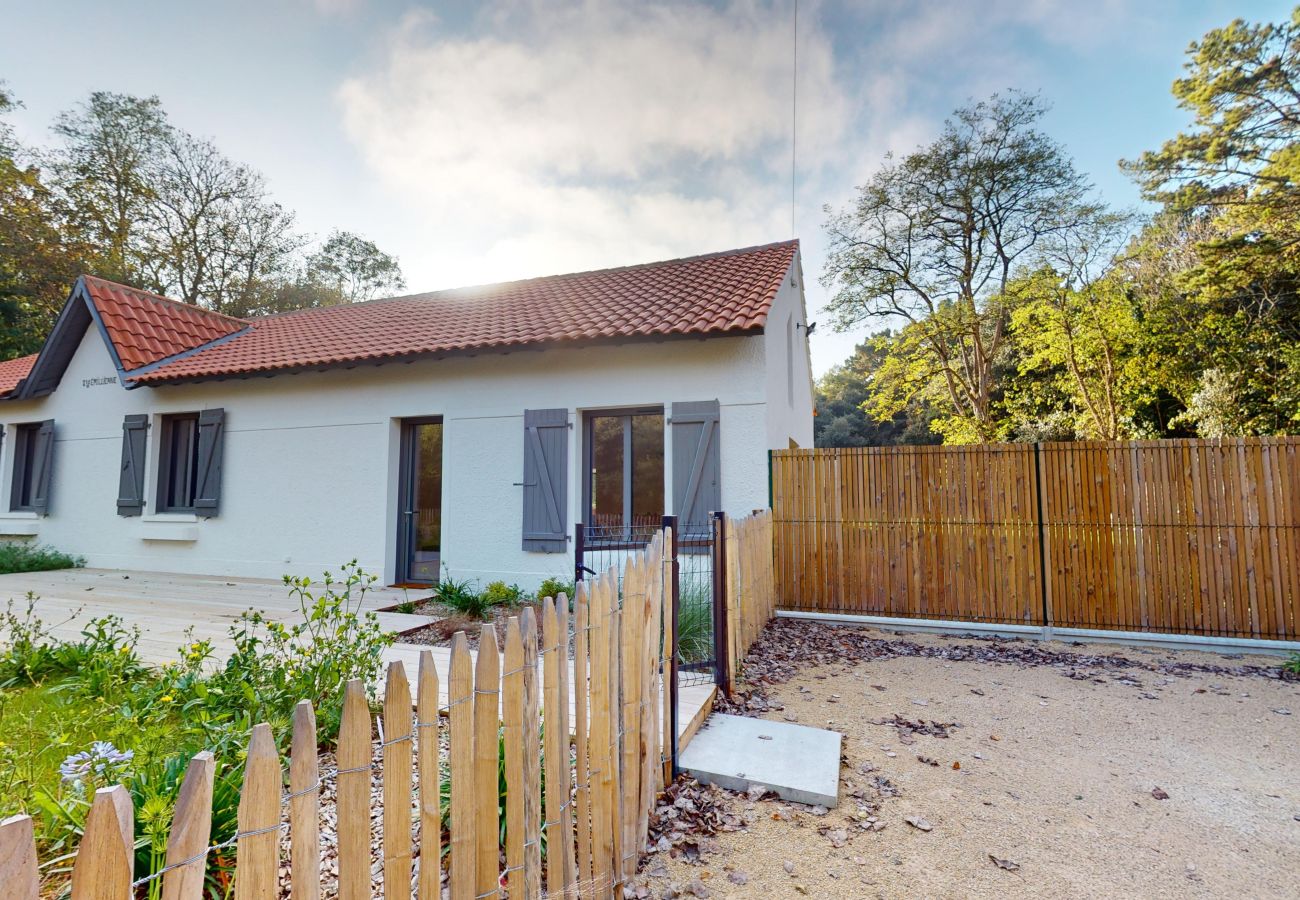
(697, 464)
(43, 460)
(130, 488)
(546, 464)
(207, 478)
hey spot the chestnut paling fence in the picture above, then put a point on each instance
(1196, 537)
(583, 788)
(748, 584)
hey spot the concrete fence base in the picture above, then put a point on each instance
(1055, 633)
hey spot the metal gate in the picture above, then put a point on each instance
(696, 591)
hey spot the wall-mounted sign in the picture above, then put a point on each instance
(95, 382)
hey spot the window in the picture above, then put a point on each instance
(32, 445)
(625, 474)
(178, 463)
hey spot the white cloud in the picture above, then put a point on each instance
(586, 134)
(555, 135)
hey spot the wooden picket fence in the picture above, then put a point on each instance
(749, 583)
(1180, 536)
(602, 772)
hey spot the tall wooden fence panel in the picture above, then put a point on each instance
(585, 849)
(1197, 537)
(1179, 536)
(938, 532)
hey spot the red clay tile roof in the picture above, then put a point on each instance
(13, 371)
(717, 294)
(145, 327)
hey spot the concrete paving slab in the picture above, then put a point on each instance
(799, 763)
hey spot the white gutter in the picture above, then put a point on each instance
(1048, 633)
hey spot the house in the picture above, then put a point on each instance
(469, 429)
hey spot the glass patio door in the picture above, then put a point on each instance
(419, 551)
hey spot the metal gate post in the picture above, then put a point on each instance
(721, 659)
(675, 596)
(579, 548)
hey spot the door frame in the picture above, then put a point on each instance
(405, 522)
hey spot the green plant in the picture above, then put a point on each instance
(275, 665)
(460, 596)
(695, 624)
(498, 593)
(1292, 664)
(553, 587)
(35, 558)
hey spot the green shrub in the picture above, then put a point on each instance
(460, 596)
(16, 557)
(498, 593)
(1292, 665)
(553, 587)
(103, 659)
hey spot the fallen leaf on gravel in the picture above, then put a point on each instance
(1159, 793)
(955, 764)
(801, 889)
(919, 823)
(788, 866)
(819, 810)
(738, 878)
(697, 889)
(977, 692)
(927, 760)
(994, 737)
(1282, 711)
(1009, 865)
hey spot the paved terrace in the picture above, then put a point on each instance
(165, 606)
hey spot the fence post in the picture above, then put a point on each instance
(579, 550)
(674, 568)
(1042, 541)
(18, 858)
(721, 645)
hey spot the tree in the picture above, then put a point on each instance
(934, 240)
(1227, 320)
(105, 172)
(40, 252)
(842, 397)
(1074, 317)
(213, 237)
(1243, 90)
(354, 267)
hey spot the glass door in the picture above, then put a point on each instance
(419, 526)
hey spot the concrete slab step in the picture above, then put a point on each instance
(799, 763)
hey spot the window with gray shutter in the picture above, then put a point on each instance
(130, 488)
(33, 467)
(207, 476)
(44, 467)
(546, 463)
(697, 465)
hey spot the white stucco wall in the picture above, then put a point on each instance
(788, 369)
(310, 467)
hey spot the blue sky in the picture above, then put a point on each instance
(507, 138)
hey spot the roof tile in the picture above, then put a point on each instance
(145, 328)
(13, 371)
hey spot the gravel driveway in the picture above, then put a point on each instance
(1067, 771)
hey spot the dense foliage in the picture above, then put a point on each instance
(1023, 309)
(126, 195)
